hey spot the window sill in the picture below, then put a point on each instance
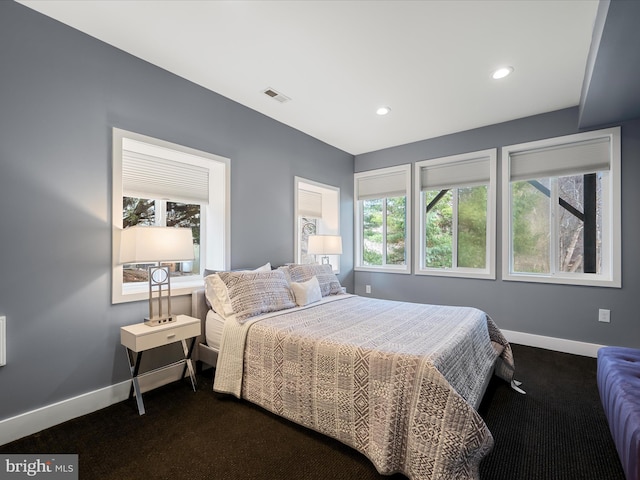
(483, 274)
(402, 270)
(132, 293)
(557, 280)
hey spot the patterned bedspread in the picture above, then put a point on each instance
(397, 381)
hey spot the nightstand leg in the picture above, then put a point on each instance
(138, 396)
(188, 364)
(134, 367)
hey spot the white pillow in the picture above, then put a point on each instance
(307, 292)
(264, 268)
(216, 292)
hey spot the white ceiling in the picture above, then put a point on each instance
(430, 61)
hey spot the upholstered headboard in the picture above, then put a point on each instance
(199, 309)
(199, 306)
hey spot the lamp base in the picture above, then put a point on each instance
(157, 321)
(159, 276)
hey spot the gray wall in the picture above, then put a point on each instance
(61, 92)
(568, 312)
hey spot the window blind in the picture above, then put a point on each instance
(147, 176)
(569, 159)
(383, 185)
(309, 203)
(455, 174)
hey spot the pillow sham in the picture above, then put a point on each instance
(264, 268)
(306, 292)
(329, 283)
(215, 291)
(254, 293)
(285, 269)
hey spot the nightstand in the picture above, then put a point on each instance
(140, 337)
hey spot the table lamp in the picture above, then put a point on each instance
(146, 244)
(325, 245)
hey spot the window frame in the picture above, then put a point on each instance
(358, 216)
(327, 224)
(215, 216)
(489, 272)
(612, 262)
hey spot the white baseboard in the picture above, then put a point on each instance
(552, 343)
(37, 420)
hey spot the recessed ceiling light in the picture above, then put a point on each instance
(383, 110)
(502, 72)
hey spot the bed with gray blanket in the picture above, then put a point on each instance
(399, 382)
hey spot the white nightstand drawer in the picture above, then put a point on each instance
(142, 337)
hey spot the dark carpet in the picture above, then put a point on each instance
(556, 431)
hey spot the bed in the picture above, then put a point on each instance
(400, 382)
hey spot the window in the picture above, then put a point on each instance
(163, 184)
(561, 207)
(383, 230)
(317, 209)
(457, 200)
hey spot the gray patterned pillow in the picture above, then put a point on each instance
(215, 291)
(254, 293)
(329, 283)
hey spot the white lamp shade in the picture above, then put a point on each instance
(144, 244)
(325, 245)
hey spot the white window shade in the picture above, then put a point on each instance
(455, 174)
(391, 184)
(569, 159)
(147, 176)
(309, 203)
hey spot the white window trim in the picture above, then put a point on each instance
(218, 208)
(486, 273)
(613, 278)
(404, 269)
(329, 223)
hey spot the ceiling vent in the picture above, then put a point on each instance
(276, 95)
